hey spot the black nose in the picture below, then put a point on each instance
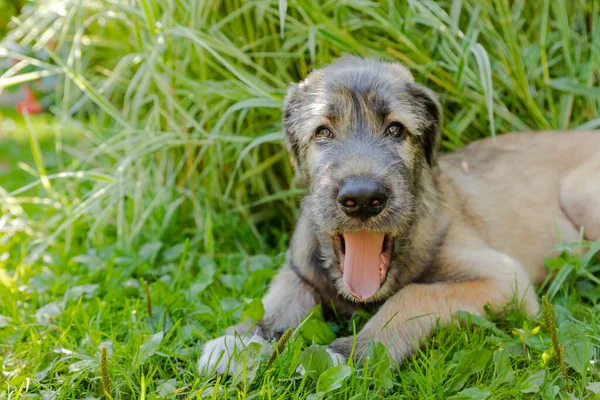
(362, 197)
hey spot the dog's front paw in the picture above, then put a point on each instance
(217, 355)
(343, 346)
(338, 359)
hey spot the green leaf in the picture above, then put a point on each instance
(471, 363)
(233, 282)
(315, 396)
(514, 349)
(148, 348)
(550, 391)
(472, 393)
(283, 5)
(149, 251)
(18, 380)
(48, 313)
(594, 387)
(168, 387)
(504, 370)
(314, 329)
(317, 331)
(24, 78)
(315, 359)
(88, 291)
(563, 314)
(578, 349)
(572, 86)
(590, 254)
(482, 322)
(201, 308)
(247, 362)
(82, 365)
(379, 363)
(333, 378)
(485, 78)
(259, 261)
(253, 310)
(212, 392)
(229, 303)
(206, 268)
(556, 263)
(532, 383)
(588, 290)
(558, 281)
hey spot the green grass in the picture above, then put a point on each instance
(163, 164)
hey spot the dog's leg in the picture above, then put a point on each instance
(287, 302)
(580, 197)
(412, 313)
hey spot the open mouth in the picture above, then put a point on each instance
(364, 261)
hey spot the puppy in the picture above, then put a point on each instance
(387, 224)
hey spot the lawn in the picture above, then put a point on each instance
(150, 207)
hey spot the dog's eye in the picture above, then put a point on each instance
(323, 132)
(395, 129)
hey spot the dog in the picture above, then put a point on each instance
(389, 225)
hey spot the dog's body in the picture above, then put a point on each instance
(387, 224)
(512, 192)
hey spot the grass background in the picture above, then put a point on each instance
(162, 163)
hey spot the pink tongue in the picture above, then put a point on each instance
(362, 263)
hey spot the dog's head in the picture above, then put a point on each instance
(362, 134)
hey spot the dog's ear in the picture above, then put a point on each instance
(290, 106)
(427, 105)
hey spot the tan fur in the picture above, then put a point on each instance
(580, 196)
(513, 191)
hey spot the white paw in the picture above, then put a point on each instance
(337, 359)
(218, 354)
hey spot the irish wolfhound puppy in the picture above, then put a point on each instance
(388, 225)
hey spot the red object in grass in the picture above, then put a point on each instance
(29, 104)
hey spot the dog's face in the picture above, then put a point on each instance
(361, 134)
